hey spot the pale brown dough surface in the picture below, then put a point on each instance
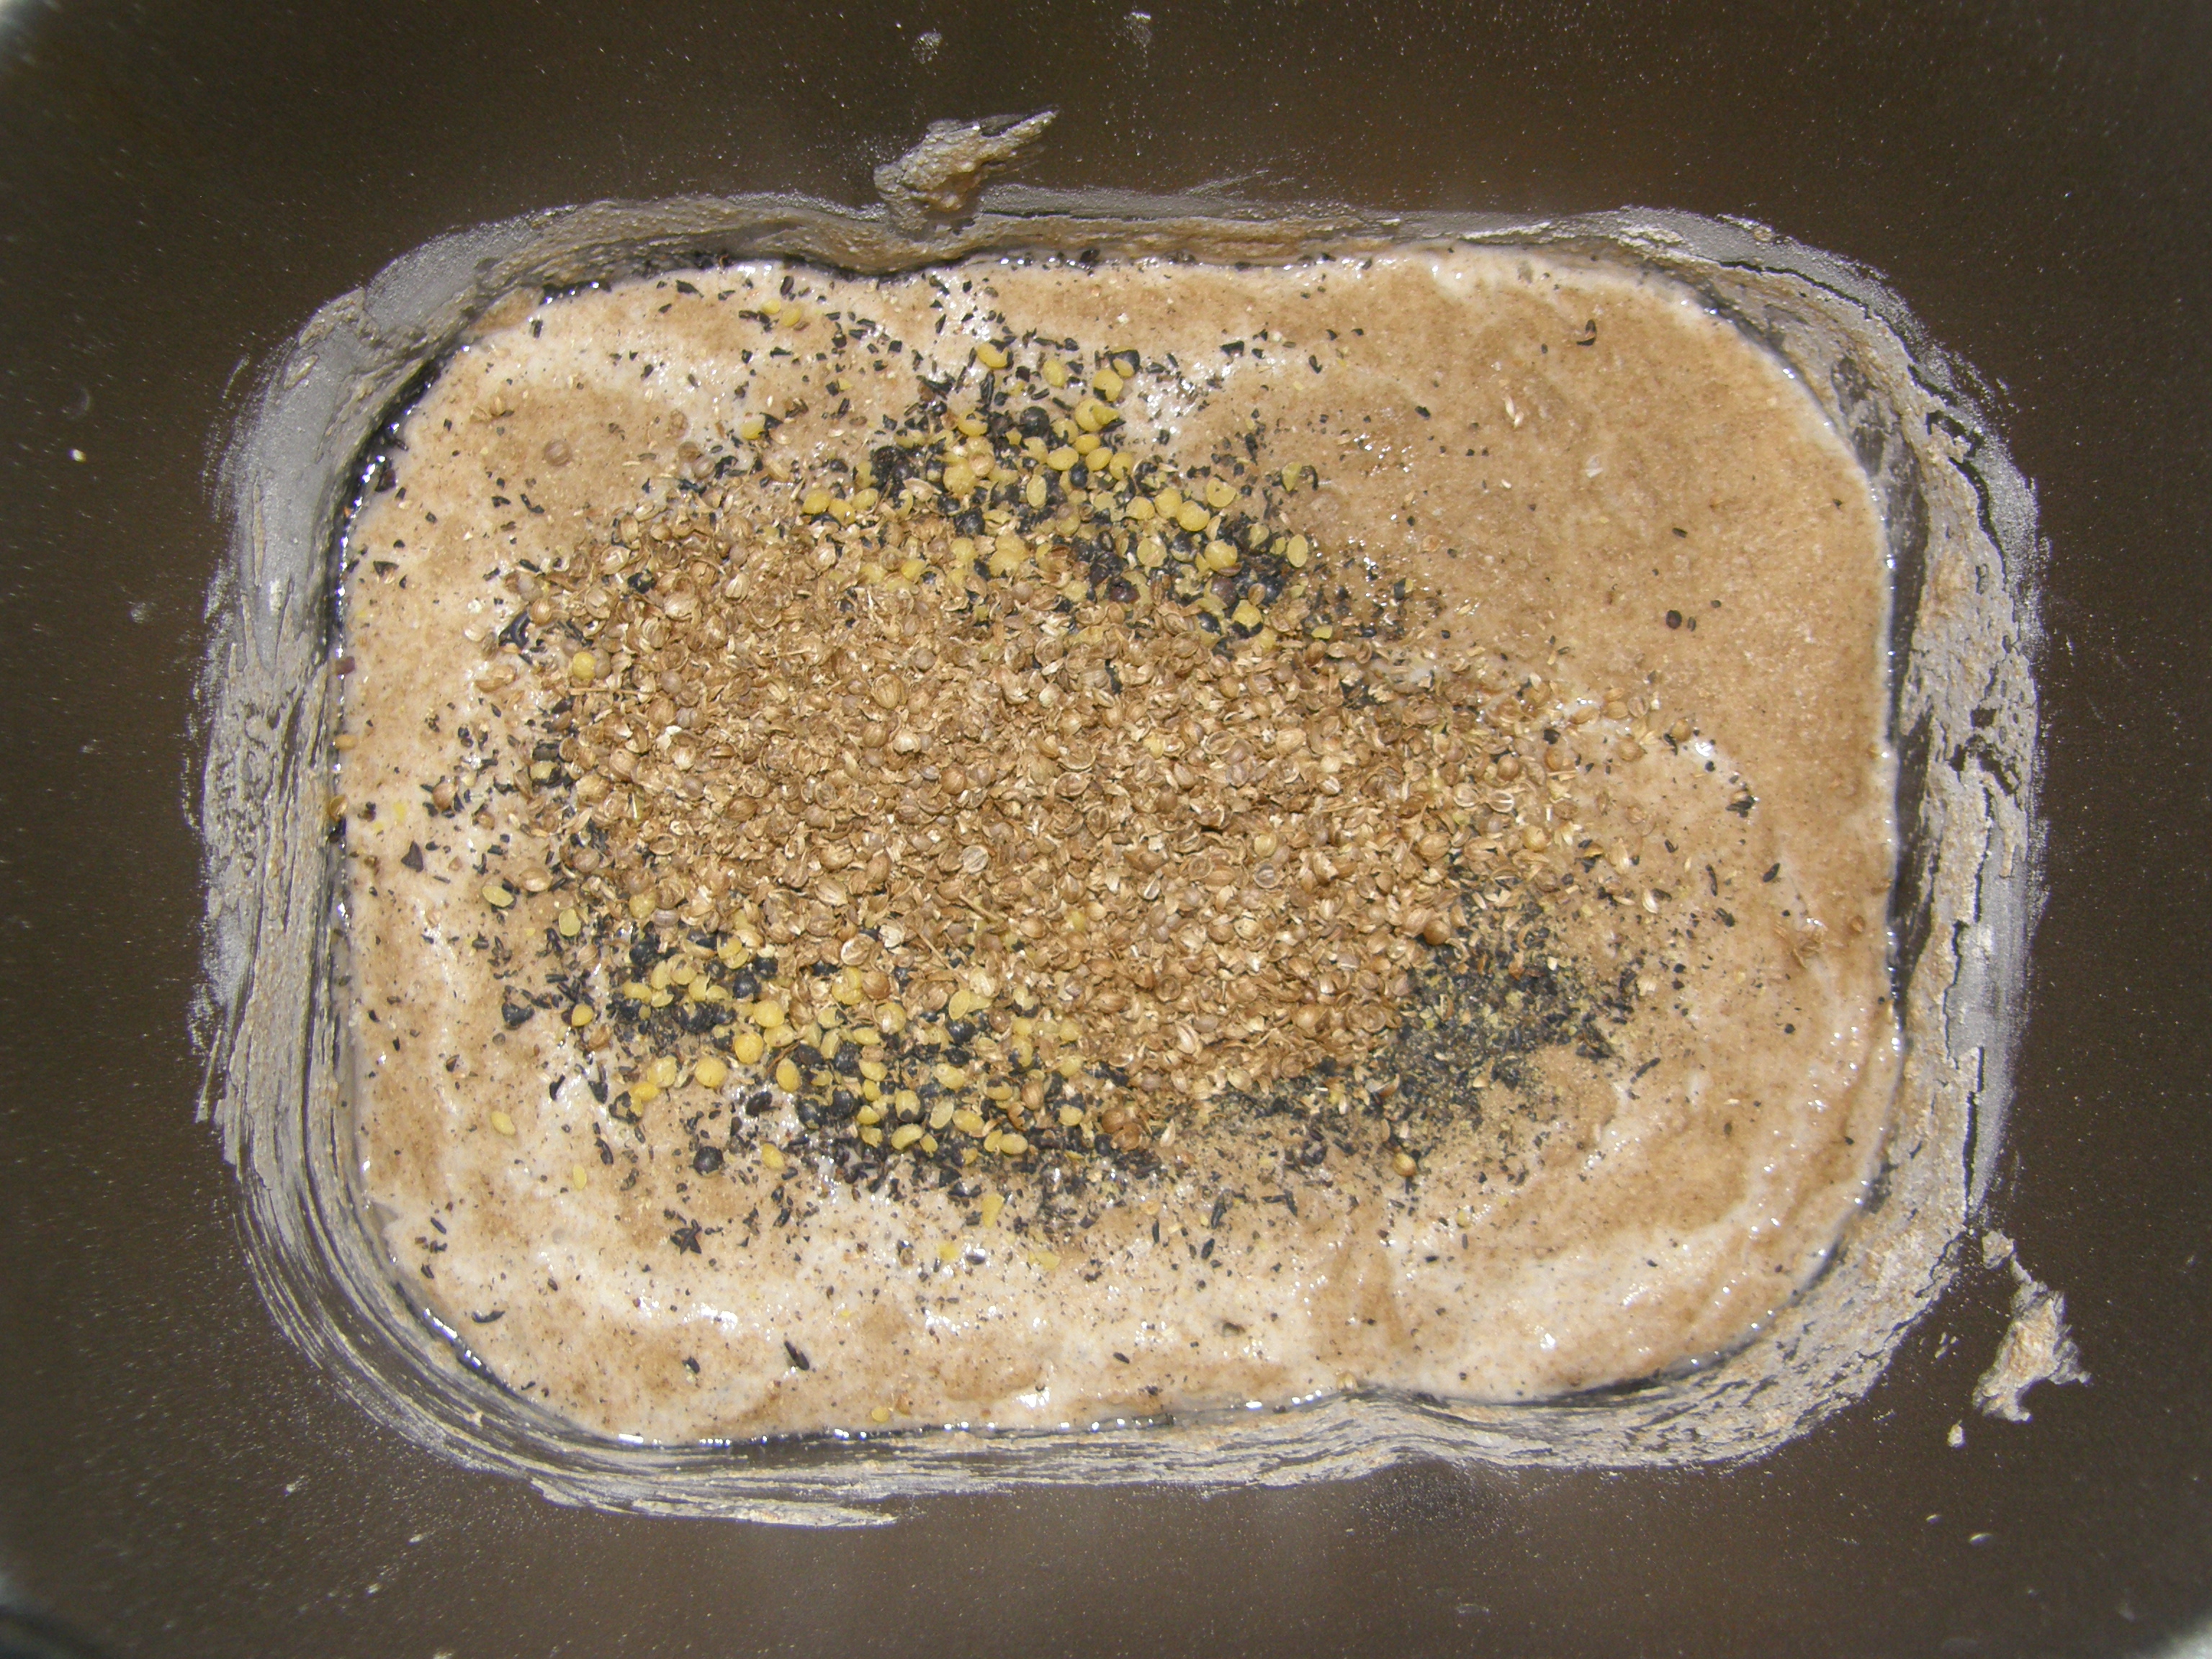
(1609, 1219)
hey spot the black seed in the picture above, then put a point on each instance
(706, 1160)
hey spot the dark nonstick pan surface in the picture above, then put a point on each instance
(181, 186)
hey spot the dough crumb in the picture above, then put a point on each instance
(2036, 1349)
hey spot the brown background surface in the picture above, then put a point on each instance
(180, 186)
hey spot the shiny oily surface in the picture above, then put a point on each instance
(1572, 555)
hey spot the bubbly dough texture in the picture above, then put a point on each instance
(1580, 476)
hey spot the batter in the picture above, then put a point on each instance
(753, 1038)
